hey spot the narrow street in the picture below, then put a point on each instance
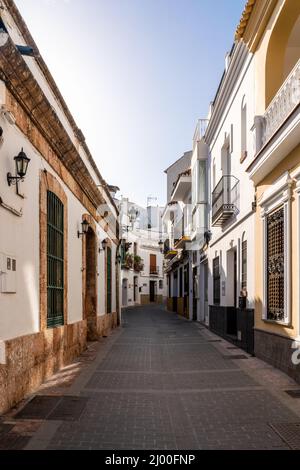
(162, 382)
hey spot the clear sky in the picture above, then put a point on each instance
(136, 75)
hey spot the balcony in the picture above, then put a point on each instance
(284, 102)
(154, 270)
(225, 199)
(276, 133)
(138, 264)
(181, 234)
(128, 261)
(182, 187)
(200, 131)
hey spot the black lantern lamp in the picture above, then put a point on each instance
(161, 245)
(104, 244)
(85, 228)
(207, 237)
(118, 258)
(22, 162)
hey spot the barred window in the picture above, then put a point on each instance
(55, 261)
(108, 280)
(244, 265)
(275, 265)
(216, 280)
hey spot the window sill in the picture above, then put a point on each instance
(279, 323)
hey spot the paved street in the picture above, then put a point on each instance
(165, 383)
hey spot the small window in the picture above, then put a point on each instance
(3, 28)
(8, 264)
(161, 284)
(14, 265)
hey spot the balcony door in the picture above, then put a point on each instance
(226, 161)
(153, 264)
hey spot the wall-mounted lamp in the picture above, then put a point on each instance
(21, 162)
(161, 246)
(207, 237)
(85, 228)
(104, 245)
(8, 114)
(118, 258)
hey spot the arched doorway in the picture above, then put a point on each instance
(283, 48)
(91, 284)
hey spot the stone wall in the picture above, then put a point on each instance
(180, 306)
(145, 299)
(170, 304)
(32, 359)
(276, 350)
(106, 323)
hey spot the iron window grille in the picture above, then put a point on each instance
(275, 265)
(216, 281)
(108, 279)
(55, 261)
(244, 265)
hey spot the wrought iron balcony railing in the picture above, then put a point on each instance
(284, 102)
(225, 200)
(200, 131)
(178, 230)
(154, 270)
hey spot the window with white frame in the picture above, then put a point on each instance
(201, 196)
(276, 207)
(194, 185)
(275, 265)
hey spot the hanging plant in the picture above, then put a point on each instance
(138, 264)
(128, 262)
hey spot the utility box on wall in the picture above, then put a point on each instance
(8, 274)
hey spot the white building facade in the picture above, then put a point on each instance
(59, 276)
(232, 201)
(142, 264)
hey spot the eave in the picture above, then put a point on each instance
(20, 23)
(254, 21)
(182, 188)
(23, 86)
(244, 19)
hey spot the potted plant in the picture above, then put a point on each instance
(128, 261)
(138, 264)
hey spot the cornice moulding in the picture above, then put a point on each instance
(227, 85)
(254, 21)
(21, 25)
(26, 91)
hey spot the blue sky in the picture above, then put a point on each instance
(136, 75)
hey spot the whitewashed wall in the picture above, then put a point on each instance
(229, 128)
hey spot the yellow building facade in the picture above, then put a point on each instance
(271, 31)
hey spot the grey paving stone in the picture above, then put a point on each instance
(164, 386)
